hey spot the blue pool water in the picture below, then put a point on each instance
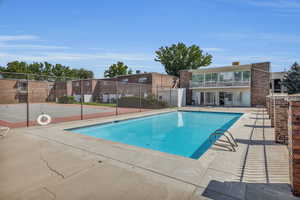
(181, 133)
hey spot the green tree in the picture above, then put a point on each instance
(179, 57)
(292, 79)
(84, 74)
(16, 66)
(117, 69)
(46, 69)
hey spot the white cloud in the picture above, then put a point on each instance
(258, 58)
(260, 36)
(96, 48)
(30, 46)
(212, 49)
(18, 37)
(278, 7)
(59, 56)
(107, 56)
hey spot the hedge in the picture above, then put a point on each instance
(66, 99)
(148, 102)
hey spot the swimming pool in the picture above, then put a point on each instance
(182, 133)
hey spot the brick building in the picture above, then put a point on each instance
(235, 85)
(107, 89)
(16, 90)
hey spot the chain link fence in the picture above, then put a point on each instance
(24, 98)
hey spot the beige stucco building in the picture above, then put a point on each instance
(235, 85)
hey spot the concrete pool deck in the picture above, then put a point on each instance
(50, 163)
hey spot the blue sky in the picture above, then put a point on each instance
(95, 34)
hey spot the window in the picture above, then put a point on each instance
(226, 76)
(198, 77)
(76, 83)
(214, 77)
(143, 80)
(22, 85)
(228, 96)
(208, 77)
(237, 76)
(246, 75)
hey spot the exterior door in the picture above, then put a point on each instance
(228, 98)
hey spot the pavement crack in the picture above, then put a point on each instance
(52, 193)
(48, 165)
(51, 168)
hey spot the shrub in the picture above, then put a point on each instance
(66, 99)
(134, 102)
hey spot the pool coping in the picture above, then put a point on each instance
(72, 130)
(184, 169)
(116, 121)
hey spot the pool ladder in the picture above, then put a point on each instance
(229, 140)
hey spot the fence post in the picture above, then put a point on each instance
(140, 98)
(117, 100)
(81, 101)
(27, 103)
(170, 97)
(157, 92)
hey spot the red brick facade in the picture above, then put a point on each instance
(185, 77)
(149, 83)
(260, 83)
(277, 107)
(15, 91)
(281, 120)
(286, 117)
(294, 144)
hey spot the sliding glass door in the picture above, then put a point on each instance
(210, 98)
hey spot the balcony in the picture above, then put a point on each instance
(219, 84)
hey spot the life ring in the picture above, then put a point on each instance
(43, 119)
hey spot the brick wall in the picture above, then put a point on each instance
(272, 111)
(88, 86)
(281, 119)
(185, 77)
(277, 107)
(156, 80)
(294, 144)
(268, 100)
(62, 89)
(163, 81)
(38, 91)
(103, 87)
(134, 78)
(8, 91)
(260, 83)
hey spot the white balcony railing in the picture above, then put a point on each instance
(220, 84)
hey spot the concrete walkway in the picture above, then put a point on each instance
(47, 163)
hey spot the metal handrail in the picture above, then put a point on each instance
(230, 134)
(221, 132)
